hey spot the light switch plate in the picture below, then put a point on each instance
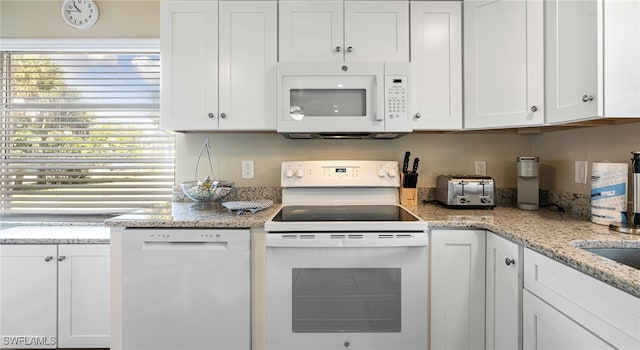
(247, 169)
(581, 172)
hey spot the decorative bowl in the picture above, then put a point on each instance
(207, 190)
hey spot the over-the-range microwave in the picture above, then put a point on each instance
(343, 100)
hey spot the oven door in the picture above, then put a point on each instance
(361, 291)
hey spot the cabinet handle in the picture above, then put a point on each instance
(509, 261)
(61, 258)
(587, 98)
(418, 115)
(211, 115)
(349, 49)
(338, 48)
(48, 258)
(533, 109)
(222, 115)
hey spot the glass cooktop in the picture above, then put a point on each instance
(301, 213)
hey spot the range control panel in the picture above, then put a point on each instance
(340, 173)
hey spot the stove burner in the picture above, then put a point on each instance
(305, 213)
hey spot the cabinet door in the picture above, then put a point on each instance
(83, 295)
(571, 66)
(503, 63)
(504, 294)
(376, 31)
(546, 328)
(621, 45)
(457, 289)
(189, 65)
(311, 31)
(28, 302)
(248, 57)
(436, 65)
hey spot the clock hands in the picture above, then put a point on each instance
(69, 10)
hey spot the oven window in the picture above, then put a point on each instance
(336, 300)
(330, 102)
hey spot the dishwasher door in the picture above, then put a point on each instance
(186, 289)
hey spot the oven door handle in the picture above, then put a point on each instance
(278, 242)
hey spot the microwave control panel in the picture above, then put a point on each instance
(396, 97)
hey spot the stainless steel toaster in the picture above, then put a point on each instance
(466, 191)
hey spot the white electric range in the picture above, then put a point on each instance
(347, 265)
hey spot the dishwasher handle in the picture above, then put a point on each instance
(185, 246)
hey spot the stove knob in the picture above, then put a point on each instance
(393, 172)
(300, 173)
(381, 172)
(289, 173)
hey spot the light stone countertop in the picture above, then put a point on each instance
(55, 235)
(545, 231)
(550, 233)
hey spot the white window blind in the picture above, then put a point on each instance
(79, 133)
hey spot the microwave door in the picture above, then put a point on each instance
(330, 104)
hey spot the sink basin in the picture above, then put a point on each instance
(626, 256)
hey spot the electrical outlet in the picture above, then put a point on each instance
(481, 167)
(247, 169)
(580, 172)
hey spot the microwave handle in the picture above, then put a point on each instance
(380, 99)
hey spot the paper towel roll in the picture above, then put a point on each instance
(608, 192)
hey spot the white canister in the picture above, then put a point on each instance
(608, 192)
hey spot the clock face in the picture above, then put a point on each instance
(81, 14)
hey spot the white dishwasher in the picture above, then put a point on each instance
(186, 289)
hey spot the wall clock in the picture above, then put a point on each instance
(81, 14)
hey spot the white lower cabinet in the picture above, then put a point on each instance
(567, 309)
(550, 329)
(504, 294)
(54, 296)
(83, 295)
(457, 289)
(476, 291)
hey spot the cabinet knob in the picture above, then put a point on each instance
(211, 115)
(349, 49)
(509, 261)
(48, 258)
(61, 258)
(418, 115)
(223, 116)
(533, 109)
(338, 48)
(587, 98)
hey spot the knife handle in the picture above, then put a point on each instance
(405, 163)
(415, 165)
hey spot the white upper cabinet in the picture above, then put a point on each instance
(336, 31)
(592, 59)
(503, 63)
(436, 65)
(188, 65)
(571, 66)
(218, 65)
(248, 51)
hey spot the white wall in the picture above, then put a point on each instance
(559, 150)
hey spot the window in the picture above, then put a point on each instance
(79, 132)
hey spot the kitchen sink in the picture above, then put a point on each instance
(626, 256)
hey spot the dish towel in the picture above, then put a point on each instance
(240, 207)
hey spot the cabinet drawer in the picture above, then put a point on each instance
(611, 314)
